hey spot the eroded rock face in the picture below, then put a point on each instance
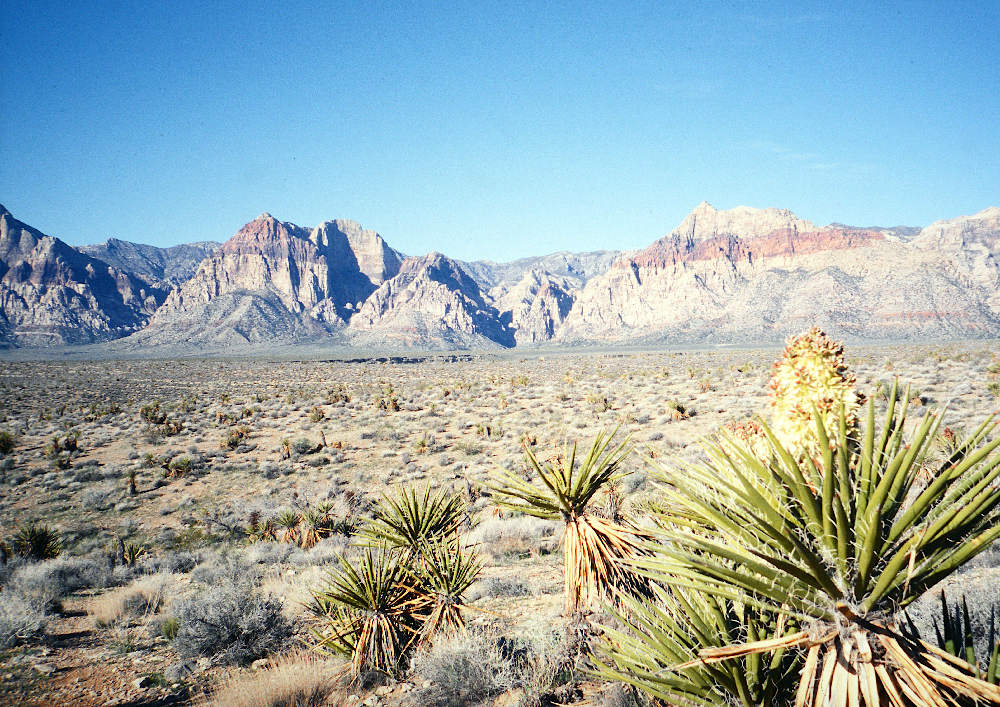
(303, 281)
(737, 276)
(431, 301)
(51, 294)
(752, 275)
(535, 308)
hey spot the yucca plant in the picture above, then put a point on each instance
(132, 552)
(662, 633)
(373, 611)
(839, 542)
(955, 635)
(289, 520)
(412, 518)
(593, 546)
(37, 542)
(314, 527)
(445, 573)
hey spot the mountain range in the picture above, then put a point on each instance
(736, 276)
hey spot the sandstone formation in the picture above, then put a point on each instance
(432, 301)
(51, 294)
(757, 275)
(737, 276)
(276, 280)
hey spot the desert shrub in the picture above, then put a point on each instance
(181, 465)
(304, 445)
(297, 681)
(52, 580)
(171, 562)
(21, 618)
(268, 553)
(232, 622)
(477, 665)
(153, 414)
(502, 587)
(7, 442)
(142, 597)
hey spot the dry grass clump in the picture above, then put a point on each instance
(297, 680)
(144, 596)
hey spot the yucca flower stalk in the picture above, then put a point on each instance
(413, 518)
(840, 543)
(373, 611)
(593, 546)
(811, 384)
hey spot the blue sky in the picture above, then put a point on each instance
(493, 132)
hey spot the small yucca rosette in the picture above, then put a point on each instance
(811, 376)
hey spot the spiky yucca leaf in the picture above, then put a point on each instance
(667, 629)
(372, 610)
(412, 518)
(445, 573)
(37, 541)
(289, 520)
(955, 635)
(594, 548)
(567, 487)
(841, 542)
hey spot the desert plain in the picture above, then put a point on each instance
(178, 461)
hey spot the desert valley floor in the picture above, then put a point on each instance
(214, 445)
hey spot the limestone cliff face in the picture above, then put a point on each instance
(51, 294)
(971, 248)
(757, 275)
(305, 282)
(432, 301)
(536, 307)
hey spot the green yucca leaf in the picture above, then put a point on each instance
(412, 518)
(570, 487)
(869, 522)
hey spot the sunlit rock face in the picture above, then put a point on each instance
(759, 275)
(51, 294)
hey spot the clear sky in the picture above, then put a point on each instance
(494, 130)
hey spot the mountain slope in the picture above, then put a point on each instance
(431, 302)
(756, 275)
(51, 294)
(164, 267)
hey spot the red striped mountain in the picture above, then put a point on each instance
(753, 275)
(51, 294)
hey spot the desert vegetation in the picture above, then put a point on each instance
(611, 528)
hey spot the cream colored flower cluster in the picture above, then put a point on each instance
(811, 377)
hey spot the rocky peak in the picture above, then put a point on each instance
(52, 293)
(369, 253)
(705, 222)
